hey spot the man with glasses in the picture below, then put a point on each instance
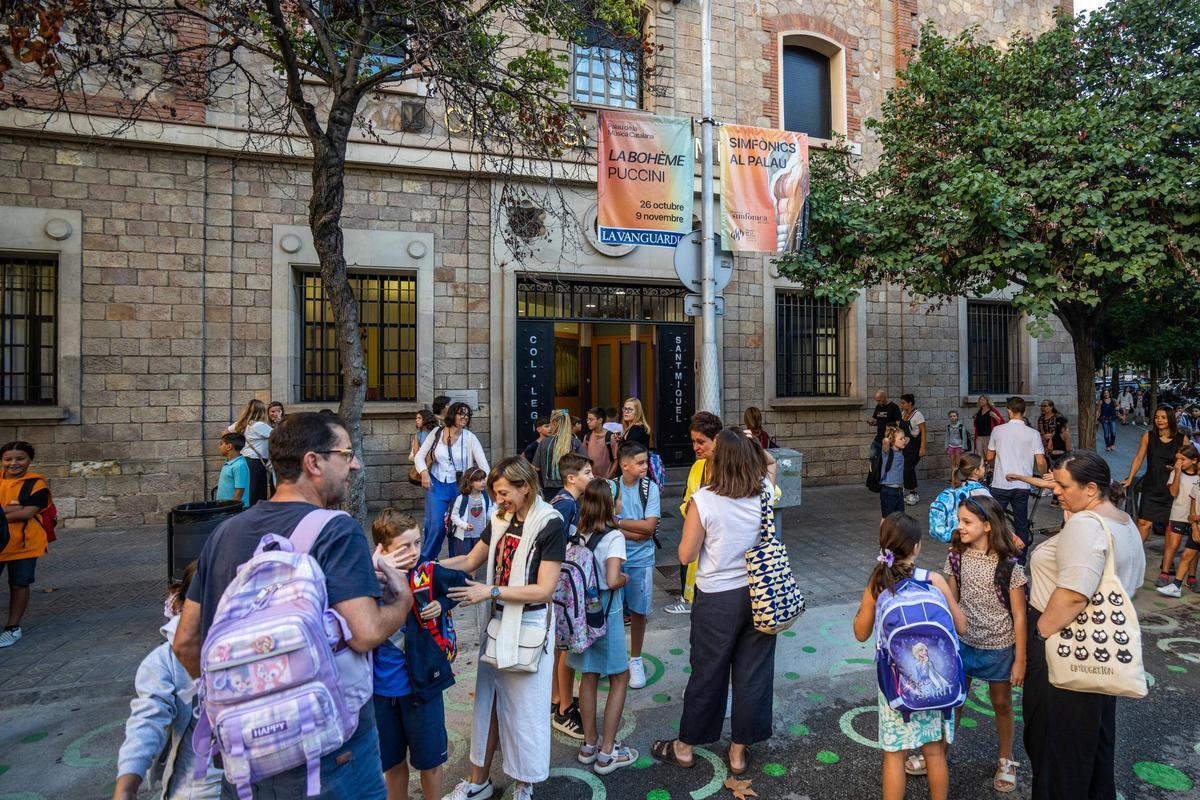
(313, 464)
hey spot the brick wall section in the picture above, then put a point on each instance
(907, 31)
(172, 327)
(773, 26)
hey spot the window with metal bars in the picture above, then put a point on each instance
(562, 300)
(387, 323)
(28, 324)
(810, 346)
(994, 352)
(605, 71)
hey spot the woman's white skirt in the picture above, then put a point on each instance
(522, 701)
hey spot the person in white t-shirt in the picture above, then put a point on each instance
(1183, 528)
(723, 521)
(253, 425)
(1012, 449)
(912, 422)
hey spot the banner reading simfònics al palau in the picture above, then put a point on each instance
(764, 183)
(644, 179)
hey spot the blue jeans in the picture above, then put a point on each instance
(1109, 426)
(438, 500)
(1019, 500)
(891, 500)
(351, 771)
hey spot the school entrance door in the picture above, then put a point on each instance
(582, 345)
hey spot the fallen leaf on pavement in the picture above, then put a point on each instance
(740, 788)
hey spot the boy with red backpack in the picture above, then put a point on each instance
(412, 669)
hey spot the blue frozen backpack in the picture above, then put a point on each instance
(943, 511)
(916, 649)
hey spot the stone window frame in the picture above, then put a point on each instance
(836, 53)
(1028, 344)
(57, 233)
(856, 349)
(377, 251)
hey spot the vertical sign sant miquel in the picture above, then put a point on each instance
(644, 183)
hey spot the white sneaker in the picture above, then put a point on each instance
(10, 637)
(911, 499)
(637, 674)
(1170, 590)
(468, 791)
(680, 606)
(522, 791)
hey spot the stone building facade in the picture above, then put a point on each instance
(177, 263)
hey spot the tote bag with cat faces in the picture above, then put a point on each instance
(1101, 650)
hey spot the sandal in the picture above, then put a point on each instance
(587, 753)
(1005, 779)
(915, 764)
(742, 769)
(664, 750)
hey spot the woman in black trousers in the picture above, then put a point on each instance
(722, 523)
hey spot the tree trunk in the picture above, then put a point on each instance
(1114, 384)
(1080, 324)
(325, 220)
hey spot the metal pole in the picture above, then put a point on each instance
(709, 395)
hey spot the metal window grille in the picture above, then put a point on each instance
(811, 344)
(28, 324)
(387, 321)
(994, 354)
(541, 299)
(604, 73)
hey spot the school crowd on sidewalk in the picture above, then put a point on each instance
(309, 663)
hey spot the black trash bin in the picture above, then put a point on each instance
(188, 528)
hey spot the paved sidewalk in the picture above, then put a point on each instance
(95, 613)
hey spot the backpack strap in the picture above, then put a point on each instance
(955, 559)
(305, 534)
(1004, 572)
(609, 438)
(644, 492)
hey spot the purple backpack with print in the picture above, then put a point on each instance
(279, 688)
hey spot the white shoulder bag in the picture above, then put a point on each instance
(1101, 650)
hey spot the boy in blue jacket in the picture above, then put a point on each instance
(412, 669)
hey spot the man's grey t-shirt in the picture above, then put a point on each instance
(341, 549)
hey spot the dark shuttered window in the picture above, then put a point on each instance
(807, 105)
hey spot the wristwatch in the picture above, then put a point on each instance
(495, 592)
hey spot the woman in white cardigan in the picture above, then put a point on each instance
(523, 548)
(455, 450)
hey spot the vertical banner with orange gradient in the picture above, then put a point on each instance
(764, 183)
(644, 179)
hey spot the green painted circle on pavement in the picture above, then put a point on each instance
(642, 762)
(3, 768)
(676, 651)
(1162, 776)
(808, 648)
(662, 697)
(792, 676)
(790, 634)
(687, 670)
(658, 794)
(774, 770)
(967, 722)
(827, 757)
(35, 737)
(815, 697)
(1176, 668)
(802, 730)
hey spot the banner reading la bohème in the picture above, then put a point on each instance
(764, 183)
(644, 179)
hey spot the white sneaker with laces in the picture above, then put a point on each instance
(522, 791)
(1170, 590)
(637, 673)
(10, 637)
(468, 791)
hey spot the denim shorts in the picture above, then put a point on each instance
(412, 731)
(993, 666)
(639, 589)
(20, 571)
